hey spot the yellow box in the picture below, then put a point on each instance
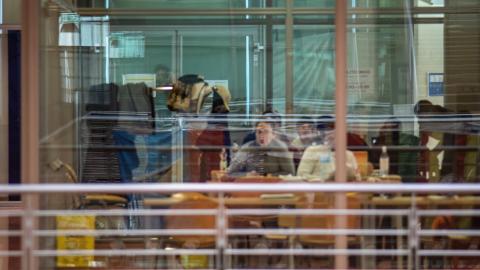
(75, 242)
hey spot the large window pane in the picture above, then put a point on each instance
(407, 91)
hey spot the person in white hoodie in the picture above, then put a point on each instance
(318, 160)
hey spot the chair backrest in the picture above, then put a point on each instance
(326, 201)
(362, 160)
(192, 201)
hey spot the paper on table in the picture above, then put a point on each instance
(432, 143)
(277, 196)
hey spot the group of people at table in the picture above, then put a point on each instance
(267, 152)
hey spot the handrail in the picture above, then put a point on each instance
(238, 187)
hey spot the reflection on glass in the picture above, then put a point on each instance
(195, 91)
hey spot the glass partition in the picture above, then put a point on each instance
(117, 61)
(244, 91)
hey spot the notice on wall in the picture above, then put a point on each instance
(435, 84)
(360, 81)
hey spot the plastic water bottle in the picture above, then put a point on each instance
(223, 160)
(384, 162)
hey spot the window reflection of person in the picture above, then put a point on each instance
(436, 136)
(215, 138)
(163, 76)
(266, 155)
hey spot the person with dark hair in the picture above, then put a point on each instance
(215, 138)
(403, 158)
(436, 138)
(354, 141)
(423, 107)
(318, 160)
(265, 155)
(276, 121)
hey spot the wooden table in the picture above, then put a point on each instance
(229, 201)
(406, 201)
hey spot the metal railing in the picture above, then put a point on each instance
(412, 242)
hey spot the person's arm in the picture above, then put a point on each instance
(286, 164)
(352, 167)
(238, 164)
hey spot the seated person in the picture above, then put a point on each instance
(264, 156)
(276, 121)
(318, 161)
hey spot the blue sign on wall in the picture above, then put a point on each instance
(435, 84)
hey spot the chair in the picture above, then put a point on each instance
(322, 201)
(193, 201)
(255, 221)
(85, 200)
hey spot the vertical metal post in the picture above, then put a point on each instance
(413, 223)
(289, 58)
(220, 235)
(341, 260)
(30, 121)
(268, 59)
(28, 239)
(179, 145)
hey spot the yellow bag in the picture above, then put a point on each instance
(73, 242)
(194, 261)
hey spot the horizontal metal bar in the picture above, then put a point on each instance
(124, 252)
(11, 213)
(6, 27)
(125, 212)
(11, 253)
(319, 252)
(10, 233)
(186, 12)
(353, 232)
(270, 11)
(229, 212)
(448, 232)
(449, 252)
(232, 187)
(303, 212)
(126, 232)
(448, 212)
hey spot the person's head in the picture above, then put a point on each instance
(264, 132)
(326, 127)
(221, 99)
(423, 107)
(274, 118)
(306, 128)
(163, 75)
(325, 123)
(390, 127)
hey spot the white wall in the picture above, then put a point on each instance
(429, 56)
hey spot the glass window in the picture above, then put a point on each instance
(400, 54)
(197, 91)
